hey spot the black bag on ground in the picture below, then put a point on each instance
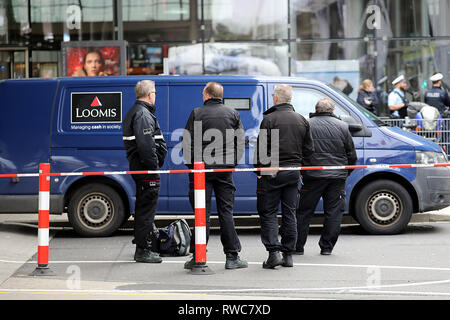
(173, 240)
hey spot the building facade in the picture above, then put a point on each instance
(329, 40)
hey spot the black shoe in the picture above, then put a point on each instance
(325, 252)
(273, 260)
(235, 262)
(189, 264)
(147, 256)
(287, 260)
(298, 252)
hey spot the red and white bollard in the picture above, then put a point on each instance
(43, 220)
(200, 266)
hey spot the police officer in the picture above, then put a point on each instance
(216, 123)
(292, 146)
(333, 146)
(397, 101)
(146, 150)
(437, 96)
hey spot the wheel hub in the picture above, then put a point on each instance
(96, 210)
(384, 207)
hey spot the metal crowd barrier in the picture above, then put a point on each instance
(437, 131)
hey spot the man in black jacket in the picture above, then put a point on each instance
(214, 134)
(146, 150)
(284, 140)
(333, 146)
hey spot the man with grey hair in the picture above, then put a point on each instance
(146, 150)
(333, 146)
(289, 131)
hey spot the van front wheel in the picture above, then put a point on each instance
(96, 210)
(383, 207)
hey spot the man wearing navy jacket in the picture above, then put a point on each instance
(146, 150)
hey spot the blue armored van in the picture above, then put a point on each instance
(75, 124)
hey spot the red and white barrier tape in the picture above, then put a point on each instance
(199, 199)
(376, 166)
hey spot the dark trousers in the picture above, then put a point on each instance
(333, 193)
(223, 186)
(270, 191)
(147, 192)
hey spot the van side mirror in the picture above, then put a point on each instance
(356, 128)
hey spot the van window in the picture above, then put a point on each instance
(304, 102)
(238, 103)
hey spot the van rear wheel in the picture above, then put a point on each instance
(96, 210)
(383, 207)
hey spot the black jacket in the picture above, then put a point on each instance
(295, 142)
(372, 97)
(333, 146)
(224, 142)
(143, 139)
(437, 97)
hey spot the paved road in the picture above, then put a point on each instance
(413, 265)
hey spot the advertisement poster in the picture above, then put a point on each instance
(93, 58)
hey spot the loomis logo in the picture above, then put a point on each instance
(96, 107)
(96, 103)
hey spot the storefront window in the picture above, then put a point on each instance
(14, 24)
(44, 64)
(244, 19)
(159, 20)
(155, 10)
(347, 62)
(146, 59)
(230, 59)
(353, 19)
(55, 21)
(369, 39)
(417, 60)
(327, 19)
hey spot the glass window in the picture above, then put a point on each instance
(146, 59)
(5, 65)
(14, 24)
(54, 21)
(230, 59)
(244, 19)
(159, 20)
(417, 60)
(344, 63)
(417, 18)
(155, 10)
(327, 19)
(336, 19)
(44, 64)
(305, 100)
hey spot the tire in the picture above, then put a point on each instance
(383, 207)
(96, 210)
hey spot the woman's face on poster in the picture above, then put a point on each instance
(93, 64)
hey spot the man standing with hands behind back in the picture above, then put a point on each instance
(333, 146)
(216, 118)
(146, 150)
(293, 145)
